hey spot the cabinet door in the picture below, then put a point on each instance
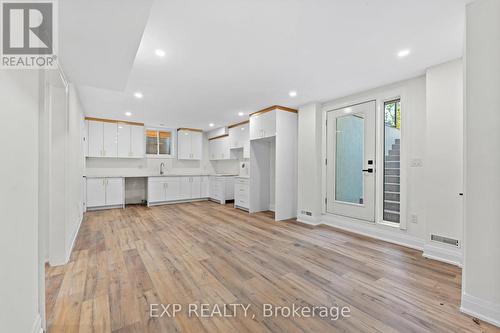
(124, 137)
(172, 191)
(185, 188)
(196, 145)
(184, 145)
(156, 191)
(110, 143)
(96, 192)
(204, 187)
(196, 187)
(224, 148)
(246, 150)
(137, 141)
(234, 137)
(95, 138)
(213, 147)
(114, 191)
(255, 127)
(268, 124)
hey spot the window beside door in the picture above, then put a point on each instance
(392, 161)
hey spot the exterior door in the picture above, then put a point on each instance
(351, 161)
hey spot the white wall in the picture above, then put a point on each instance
(311, 162)
(444, 159)
(19, 113)
(61, 141)
(481, 277)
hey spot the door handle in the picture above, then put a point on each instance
(369, 170)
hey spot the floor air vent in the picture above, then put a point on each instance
(445, 240)
(305, 212)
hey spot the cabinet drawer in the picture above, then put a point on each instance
(241, 203)
(242, 181)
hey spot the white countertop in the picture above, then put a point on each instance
(145, 175)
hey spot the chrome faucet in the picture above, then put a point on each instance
(162, 165)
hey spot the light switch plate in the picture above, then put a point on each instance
(416, 163)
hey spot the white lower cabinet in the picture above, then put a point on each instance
(105, 192)
(221, 189)
(172, 189)
(241, 195)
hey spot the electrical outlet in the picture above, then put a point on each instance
(414, 218)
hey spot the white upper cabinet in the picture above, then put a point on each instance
(124, 137)
(110, 140)
(115, 139)
(239, 135)
(137, 141)
(219, 148)
(95, 138)
(263, 124)
(189, 144)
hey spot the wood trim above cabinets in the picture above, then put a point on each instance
(218, 137)
(190, 129)
(114, 121)
(238, 124)
(272, 108)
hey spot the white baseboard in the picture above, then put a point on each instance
(443, 253)
(481, 309)
(310, 220)
(70, 249)
(377, 231)
(37, 324)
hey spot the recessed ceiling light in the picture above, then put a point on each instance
(138, 95)
(292, 93)
(128, 114)
(403, 53)
(211, 125)
(241, 114)
(160, 53)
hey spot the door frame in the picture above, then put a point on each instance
(379, 96)
(368, 207)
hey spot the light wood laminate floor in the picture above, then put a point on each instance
(126, 260)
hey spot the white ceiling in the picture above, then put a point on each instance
(226, 56)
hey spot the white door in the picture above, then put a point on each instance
(137, 141)
(196, 145)
(110, 143)
(95, 138)
(114, 191)
(351, 161)
(96, 192)
(124, 138)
